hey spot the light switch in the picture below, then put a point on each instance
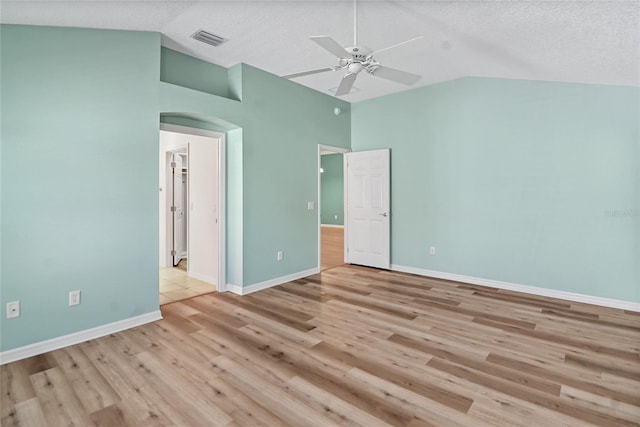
(74, 297)
(310, 206)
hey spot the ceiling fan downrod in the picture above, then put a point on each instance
(355, 23)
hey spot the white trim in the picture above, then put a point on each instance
(332, 225)
(207, 279)
(222, 212)
(222, 195)
(345, 211)
(190, 131)
(77, 337)
(570, 296)
(333, 149)
(168, 184)
(235, 289)
(270, 283)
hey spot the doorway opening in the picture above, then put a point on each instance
(331, 244)
(191, 212)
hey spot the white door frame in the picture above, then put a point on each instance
(170, 183)
(221, 284)
(333, 149)
(167, 226)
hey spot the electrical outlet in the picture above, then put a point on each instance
(335, 217)
(279, 256)
(74, 298)
(432, 250)
(13, 309)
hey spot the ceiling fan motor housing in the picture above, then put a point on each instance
(359, 53)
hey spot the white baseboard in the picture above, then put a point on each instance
(244, 290)
(588, 299)
(332, 225)
(236, 289)
(77, 337)
(207, 279)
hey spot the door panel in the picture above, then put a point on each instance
(358, 194)
(367, 194)
(203, 208)
(377, 192)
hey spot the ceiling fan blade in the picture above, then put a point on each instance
(396, 75)
(331, 45)
(307, 73)
(346, 84)
(397, 44)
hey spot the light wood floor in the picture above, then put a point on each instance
(176, 285)
(332, 247)
(350, 346)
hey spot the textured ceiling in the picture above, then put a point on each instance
(569, 41)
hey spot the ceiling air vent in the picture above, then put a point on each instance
(208, 38)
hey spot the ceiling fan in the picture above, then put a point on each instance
(357, 58)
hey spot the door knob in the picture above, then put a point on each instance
(384, 214)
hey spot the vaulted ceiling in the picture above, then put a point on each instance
(569, 41)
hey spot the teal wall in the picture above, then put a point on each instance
(79, 135)
(284, 123)
(184, 70)
(527, 182)
(332, 189)
(79, 143)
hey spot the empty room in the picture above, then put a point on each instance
(314, 213)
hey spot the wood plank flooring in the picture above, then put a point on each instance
(332, 247)
(351, 346)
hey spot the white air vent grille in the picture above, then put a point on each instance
(208, 38)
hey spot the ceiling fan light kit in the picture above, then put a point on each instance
(356, 58)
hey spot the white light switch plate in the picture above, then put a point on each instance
(74, 297)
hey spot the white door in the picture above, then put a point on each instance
(203, 208)
(179, 247)
(367, 212)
